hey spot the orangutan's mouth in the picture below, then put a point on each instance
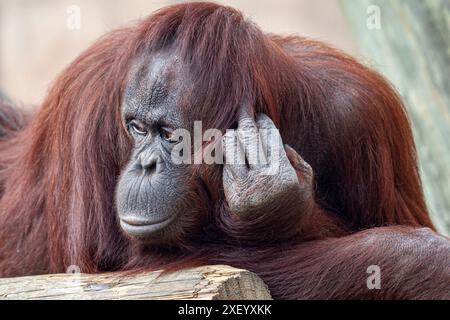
(141, 228)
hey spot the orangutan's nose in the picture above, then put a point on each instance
(149, 162)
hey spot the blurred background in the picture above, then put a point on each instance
(406, 40)
(37, 42)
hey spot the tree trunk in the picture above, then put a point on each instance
(409, 42)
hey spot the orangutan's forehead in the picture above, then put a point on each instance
(159, 74)
(156, 84)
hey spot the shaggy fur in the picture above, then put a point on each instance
(58, 171)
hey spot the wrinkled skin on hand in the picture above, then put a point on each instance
(267, 179)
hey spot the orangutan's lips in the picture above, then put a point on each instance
(142, 227)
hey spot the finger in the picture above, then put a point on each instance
(293, 156)
(245, 117)
(231, 148)
(247, 133)
(234, 156)
(297, 161)
(264, 122)
(269, 136)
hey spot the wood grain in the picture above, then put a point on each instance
(204, 283)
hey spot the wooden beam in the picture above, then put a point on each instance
(203, 283)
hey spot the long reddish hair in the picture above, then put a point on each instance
(58, 174)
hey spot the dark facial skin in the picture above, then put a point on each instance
(164, 204)
(156, 199)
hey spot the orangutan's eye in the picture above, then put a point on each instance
(137, 127)
(168, 135)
